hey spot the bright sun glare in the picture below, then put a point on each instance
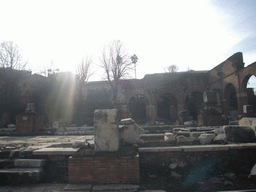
(161, 33)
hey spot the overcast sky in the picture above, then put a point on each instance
(196, 34)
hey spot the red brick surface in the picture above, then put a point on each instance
(209, 120)
(29, 123)
(101, 170)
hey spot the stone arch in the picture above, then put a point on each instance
(231, 106)
(250, 92)
(138, 108)
(194, 103)
(167, 109)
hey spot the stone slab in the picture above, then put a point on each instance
(198, 148)
(56, 151)
(78, 187)
(221, 148)
(6, 163)
(246, 145)
(34, 174)
(159, 149)
(29, 163)
(152, 190)
(115, 187)
(233, 146)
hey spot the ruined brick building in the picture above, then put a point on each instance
(159, 97)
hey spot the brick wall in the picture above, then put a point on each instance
(100, 170)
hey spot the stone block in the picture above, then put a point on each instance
(6, 163)
(248, 110)
(198, 148)
(175, 130)
(159, 149)
(246, 145)
(184, 133)
(29, 163)
(220, 139)
(22, 175)
(248, 122)
(106, 132)
(78, 187)
(221, 148)
(169, 137)
(115, 187)
(147, 138)
(128, 121)
(206, 138)
(239, 134)
(196, 134)
(130, 131)
(56, 151)
(184, 140)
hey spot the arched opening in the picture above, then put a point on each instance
(137, 108)
(251, 88)
(194, 104)
(231, 101)
(167, 108)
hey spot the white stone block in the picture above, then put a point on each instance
(129, 132)
(169, 137)
(206, 138)
(106, 130)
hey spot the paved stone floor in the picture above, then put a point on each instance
(68, 188)
(41, 140)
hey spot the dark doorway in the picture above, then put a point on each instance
(167, 108)
(137, 107)
(194, 104)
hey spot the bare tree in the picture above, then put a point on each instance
(10, 56)
(83, 74)
(116, 63)
(83, 70)
(171, 69)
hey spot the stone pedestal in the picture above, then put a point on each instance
(29, 123)
(106, 136)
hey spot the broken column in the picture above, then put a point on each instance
(106, 136)
(210, 116)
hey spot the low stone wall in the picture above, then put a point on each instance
(104, 169)
(198, 168)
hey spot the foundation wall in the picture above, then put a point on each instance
(102, 170)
